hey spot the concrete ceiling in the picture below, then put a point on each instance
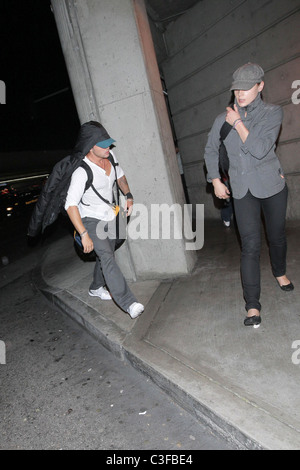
(163, 12)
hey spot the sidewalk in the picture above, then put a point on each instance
(192, 342)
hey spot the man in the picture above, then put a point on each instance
(95, 220)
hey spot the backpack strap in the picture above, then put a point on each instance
(225, 129)
(115, 164)
(89, 182)
(112, 160)
(223, 156)
(88, 169)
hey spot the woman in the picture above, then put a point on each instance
(257, 181)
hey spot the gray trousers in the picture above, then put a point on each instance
(106, 271)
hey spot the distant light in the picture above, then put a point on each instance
(63, 90)
(25, 178)
(30, 202)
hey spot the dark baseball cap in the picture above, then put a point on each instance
(246, 76)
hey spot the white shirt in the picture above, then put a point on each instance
(88, 203)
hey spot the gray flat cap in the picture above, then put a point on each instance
(246, 76)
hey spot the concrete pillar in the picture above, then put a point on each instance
(112, 65)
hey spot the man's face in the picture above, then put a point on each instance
(100, 152)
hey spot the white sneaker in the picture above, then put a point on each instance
(102, 292)
(135, 309)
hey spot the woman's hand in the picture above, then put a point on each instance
(232, 114)
(234, 119)
(221, 191)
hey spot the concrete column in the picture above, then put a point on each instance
(112, 65)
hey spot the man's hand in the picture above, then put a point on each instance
(123, 185)
(129, 206)
(87, 243)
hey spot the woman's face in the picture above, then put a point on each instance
(245, 97)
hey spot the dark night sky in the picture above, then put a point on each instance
(32, 67)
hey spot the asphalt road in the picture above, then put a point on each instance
(61, 389)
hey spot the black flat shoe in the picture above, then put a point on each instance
(287, 287)
(254, 321)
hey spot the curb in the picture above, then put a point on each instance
(129, 347)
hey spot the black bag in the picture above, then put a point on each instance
(223, 156)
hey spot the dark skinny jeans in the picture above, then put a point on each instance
(248, 217)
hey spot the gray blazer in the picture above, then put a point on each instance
(254, 165)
